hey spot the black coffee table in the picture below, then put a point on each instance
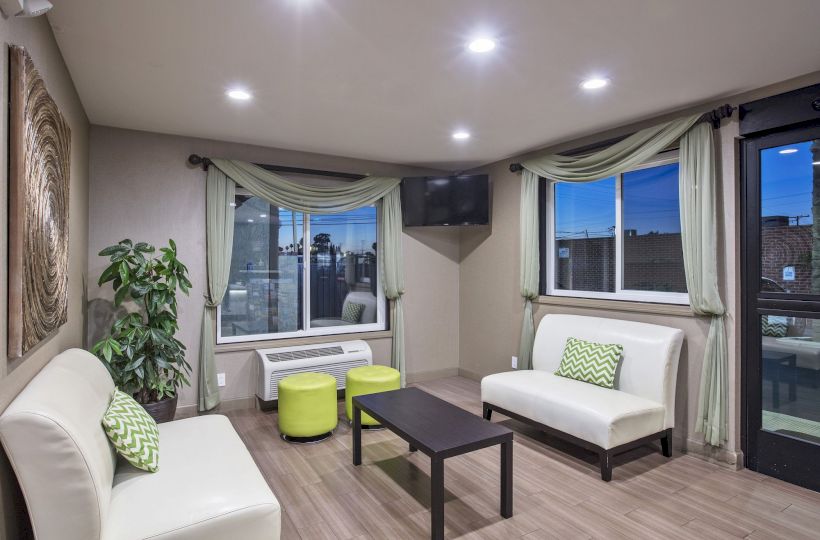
(440, 430)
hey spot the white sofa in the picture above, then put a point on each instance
(640, 408)
(369, 313)
(207, 486)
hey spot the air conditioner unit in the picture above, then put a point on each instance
(331, 358)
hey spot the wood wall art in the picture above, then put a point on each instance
(39, 165)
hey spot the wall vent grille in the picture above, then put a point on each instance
(301, 354)
(338, 370)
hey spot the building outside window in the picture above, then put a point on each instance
(618, 237)
(283, 286)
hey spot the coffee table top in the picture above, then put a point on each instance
(430, 424)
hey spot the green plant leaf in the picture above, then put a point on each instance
(120, 295)
(112, 250)
(108, 274)
(115, 346)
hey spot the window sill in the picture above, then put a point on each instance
(306, 340)
(675, 310)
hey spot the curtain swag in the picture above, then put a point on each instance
(698, 212)
(224, 175)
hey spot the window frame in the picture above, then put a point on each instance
(548, 247)
(381, 304)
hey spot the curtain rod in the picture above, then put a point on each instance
(714, 117)
(195, 159)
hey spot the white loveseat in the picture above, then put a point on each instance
(207, 486)
(369, 313)
(640, 409)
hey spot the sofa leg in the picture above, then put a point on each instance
(666, 443)
(488, 412)
(606, 466)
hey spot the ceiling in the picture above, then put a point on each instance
(390, 80)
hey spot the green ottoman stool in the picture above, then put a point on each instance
(307, 407)
(369, 380)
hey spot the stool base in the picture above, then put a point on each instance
(307, 440)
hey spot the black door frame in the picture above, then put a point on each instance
(782, 456)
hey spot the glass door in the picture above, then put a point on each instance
(781, 311)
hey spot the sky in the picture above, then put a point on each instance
(650, 204)
(354, 230)
(786, 181)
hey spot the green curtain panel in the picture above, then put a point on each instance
(698, 208)
(614, 159)
(392, 271)
(529, 264)
(219, 219)
(280, 191)
(698, 213)
(284, 193)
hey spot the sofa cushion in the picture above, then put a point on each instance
(602, 416)
(208, 488)
(132, 431)
(590, 362)
(52, 435)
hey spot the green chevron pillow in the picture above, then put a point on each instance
(773, 326)
(133, 432)
(352, 312)
(590, 362)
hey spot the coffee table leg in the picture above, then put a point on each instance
(357, 435)
(437, 498)
(507, 479)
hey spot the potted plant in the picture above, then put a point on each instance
(141, 354)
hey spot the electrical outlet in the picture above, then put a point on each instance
(515, 362)
(220, 379)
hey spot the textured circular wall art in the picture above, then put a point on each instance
(39, 164)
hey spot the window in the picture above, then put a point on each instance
(788, 205)
(272, 293)
(617, 238)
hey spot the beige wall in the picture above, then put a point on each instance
(35, 35)
(143, 189)
(490, 265)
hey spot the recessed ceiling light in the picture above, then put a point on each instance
(461, 135)
(250, 221)
(238, 94)
(594, 83)
(263, 215)
(788, 151)
(481, 45)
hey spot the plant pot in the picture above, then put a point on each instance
(162, 411)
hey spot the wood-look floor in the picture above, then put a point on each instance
(558, 491)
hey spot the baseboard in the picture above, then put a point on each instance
(732, 459)
(187, 411)
(467, 374)
(421, 376)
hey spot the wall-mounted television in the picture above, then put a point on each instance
(446, 200)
